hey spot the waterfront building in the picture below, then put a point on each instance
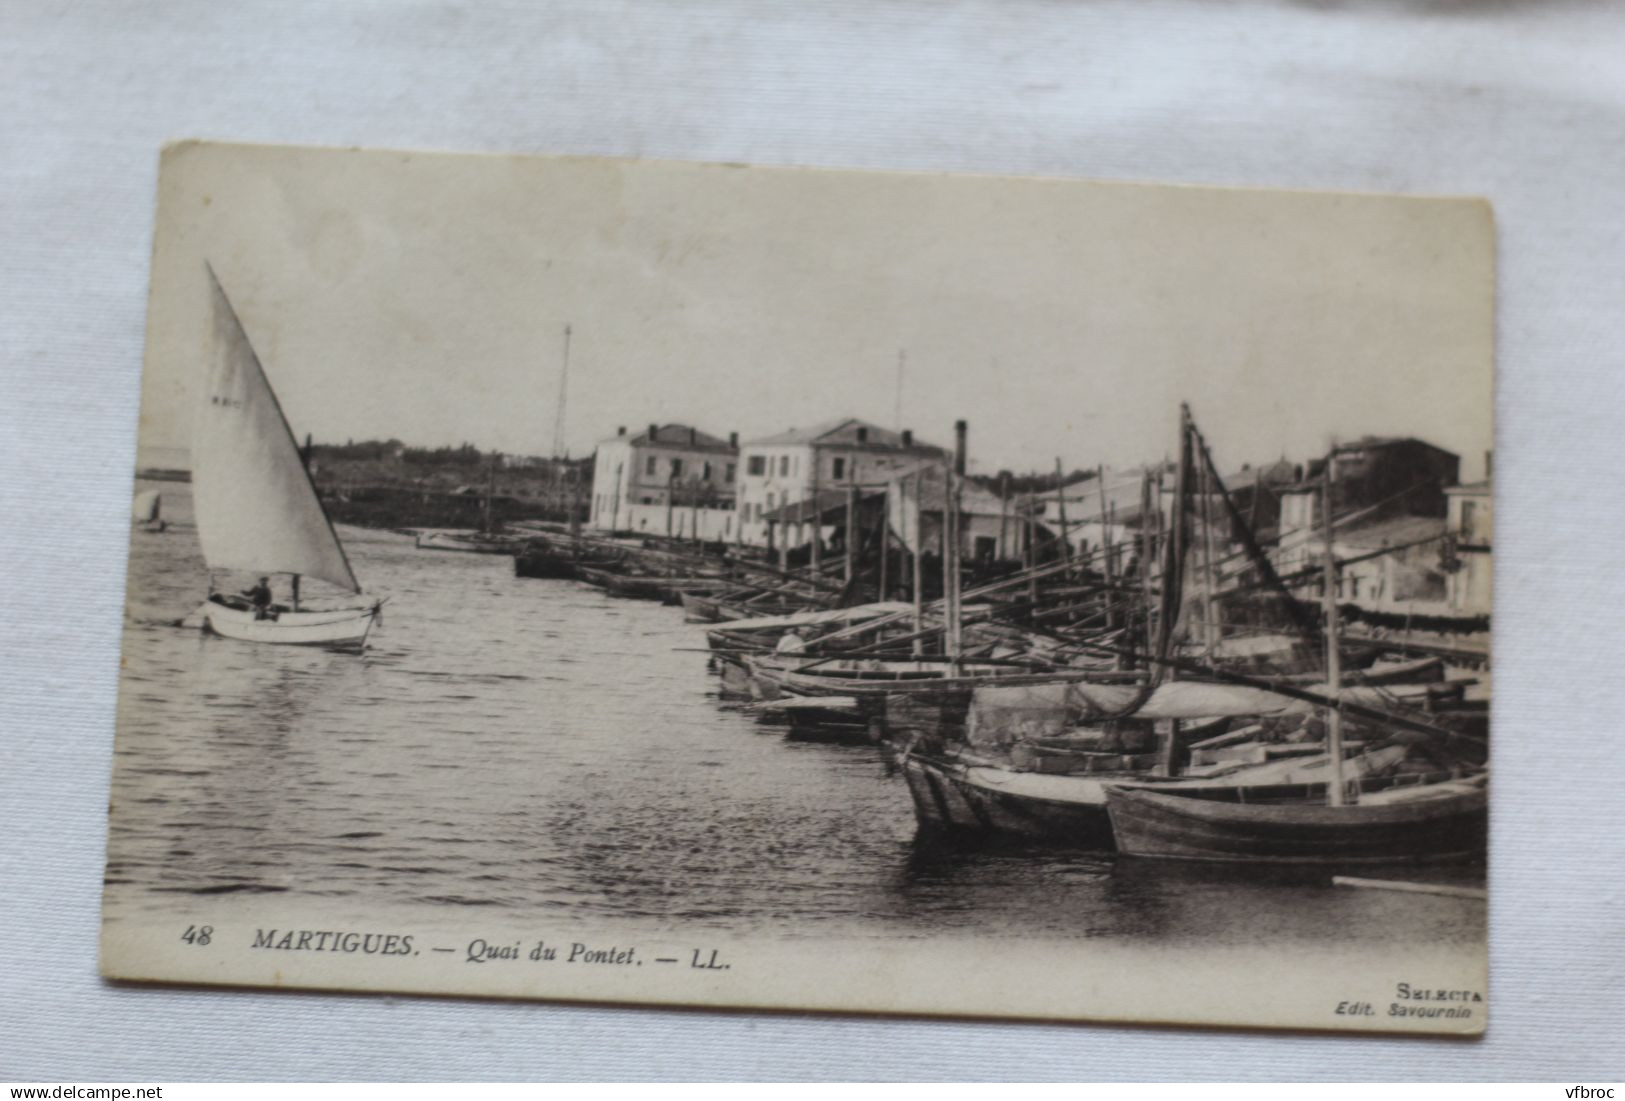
(1374, 480)
(1468, 563)
(670, 479)
(803, 463)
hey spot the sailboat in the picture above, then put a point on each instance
(257, 509)
(147, 511)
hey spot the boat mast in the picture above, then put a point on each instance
(1335, 792)
(1172, 588)
(1146, 553)
(817, 558)
(490, 490)
(1106, 548)
(1210, 613)
(851, 564)
(1060, 511)
(564, 393)
(1004, 513)
(304, 461)
(897, 407)
(952, 501)
(885, 539)
(919, 549)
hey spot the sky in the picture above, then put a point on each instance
(424, 297)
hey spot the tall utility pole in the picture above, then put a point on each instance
(897, 406)
(564, 393)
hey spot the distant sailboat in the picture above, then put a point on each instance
(146, 511)
(257, 509)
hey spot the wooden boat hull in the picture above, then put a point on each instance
(917, 678)
(631, 587)
(969, 802)
(1190, 827)
(338, 628)
(970, 796)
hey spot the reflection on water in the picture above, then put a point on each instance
(536, 747)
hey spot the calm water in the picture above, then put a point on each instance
(520, 747)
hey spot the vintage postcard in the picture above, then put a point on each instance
(587, 579)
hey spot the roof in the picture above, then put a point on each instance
(1470, 487)
(843, 432)
(683, 436)
(1367, 443)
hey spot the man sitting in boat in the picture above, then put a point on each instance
(259, 597)
(256, 599)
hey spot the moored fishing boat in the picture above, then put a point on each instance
(965, 794)
(637, 587)
(470, 542)
(874, 679)
(544, 559)
(257, 509)
(1398, 824)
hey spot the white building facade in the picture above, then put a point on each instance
(1471, 524)
(796, 465)
(669, 479)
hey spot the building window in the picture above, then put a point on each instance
(758, 465)
(784, 466)
(840, 468)
(705, 472)
(649, 466)
(729, 476)
(677, 468)
(1467, 511)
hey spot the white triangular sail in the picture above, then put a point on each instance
(256, 507)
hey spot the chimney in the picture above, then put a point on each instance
(733, 441)
(908, 437)
(693, 435)
(621, 431)
(654, 432)
(1489, 464)
(960, 428)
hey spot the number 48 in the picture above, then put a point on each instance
(197, 934)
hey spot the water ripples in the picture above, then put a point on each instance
(538, 747)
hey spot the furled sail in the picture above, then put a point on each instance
(256, 507)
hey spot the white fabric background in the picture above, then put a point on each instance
(1521, 101)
